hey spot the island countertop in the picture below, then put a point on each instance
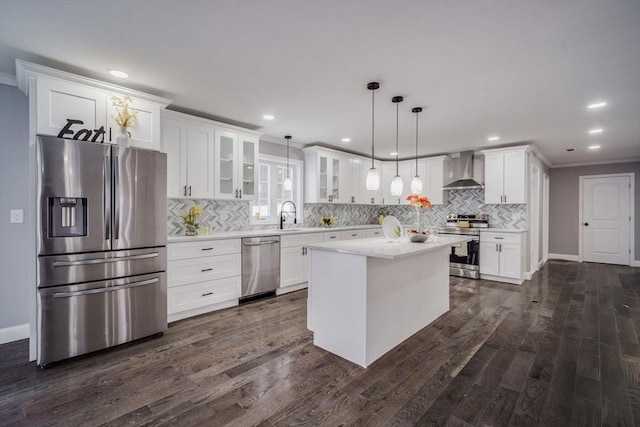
(380, 247)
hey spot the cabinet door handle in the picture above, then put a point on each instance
(206, 249)
(372, 200)
(497, 248)
(189, 191)
(236, 194)
(207, 294)
(332, 237)
(204, 270)
(500, 246)
(586, 224)
(109, 134)
(505, 198)
(185, 191)
(499, 238)
(240, 192)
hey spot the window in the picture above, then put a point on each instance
(271, 194)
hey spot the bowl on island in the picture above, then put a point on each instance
(414, 236)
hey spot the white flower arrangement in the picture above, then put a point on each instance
(126, 117)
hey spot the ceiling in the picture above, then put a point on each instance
(522, 70)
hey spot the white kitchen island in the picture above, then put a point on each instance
(366, 296)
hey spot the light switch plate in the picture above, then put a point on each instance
(17, 216)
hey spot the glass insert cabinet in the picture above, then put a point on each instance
(235, 170)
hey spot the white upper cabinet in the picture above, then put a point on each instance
(326, 172)
(62, 96)
(58, 101)
(226, 165)
(145, 132)
(236, 156)
(505, 175)
(190, 154)
(248, 168)
(351, 184)
(434, 173)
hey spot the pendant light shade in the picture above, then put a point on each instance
(396, 183)
(416, 181)
(286, 184)
(373, 176)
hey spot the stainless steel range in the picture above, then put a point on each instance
(464, 260)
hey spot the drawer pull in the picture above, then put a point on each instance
(332, 237)
(499, 238)
(207, 249)
(207, 294)
(206, 269)
(354, 235)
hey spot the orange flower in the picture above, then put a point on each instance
(419, 201)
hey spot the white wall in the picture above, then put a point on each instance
(14, 245)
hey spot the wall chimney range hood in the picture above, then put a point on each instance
(466, 181)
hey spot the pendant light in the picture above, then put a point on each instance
(416, 182)
(287, 181)
(373, 176)
(396, 183)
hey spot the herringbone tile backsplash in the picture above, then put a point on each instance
(223, 215)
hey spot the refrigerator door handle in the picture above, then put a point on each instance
(103, 290)
(103, 260)
(106, 196)
(116, 197)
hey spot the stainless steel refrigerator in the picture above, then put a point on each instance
(101, 246)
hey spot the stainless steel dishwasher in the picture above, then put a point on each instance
(260, 266)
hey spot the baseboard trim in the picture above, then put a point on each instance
(565, 257)
(635, 263)
(14, 333)
(528, 275)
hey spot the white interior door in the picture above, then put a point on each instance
(606, 219)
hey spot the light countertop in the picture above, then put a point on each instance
(502, 230)
(218, 235)
(380, 247)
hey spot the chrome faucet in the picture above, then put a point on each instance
(283, 214)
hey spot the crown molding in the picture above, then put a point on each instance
(602, 162)
(25, 69)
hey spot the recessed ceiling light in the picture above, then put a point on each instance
(393, 153)
(594, 131)
(268, 117)
(493, 138)
(598, 104)
(569, 149)
(346, 140)
(118, 73)
(594, 147)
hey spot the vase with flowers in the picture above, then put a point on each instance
(191, 220)
(420, 203)
(125, 118)
(328, 221)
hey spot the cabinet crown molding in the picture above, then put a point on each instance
(177, 115)
(25, 69)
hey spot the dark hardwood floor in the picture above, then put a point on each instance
(562, 349)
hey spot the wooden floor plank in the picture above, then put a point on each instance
(562, 349)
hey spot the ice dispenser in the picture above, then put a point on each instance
(67, 216)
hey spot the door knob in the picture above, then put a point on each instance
(586, 224)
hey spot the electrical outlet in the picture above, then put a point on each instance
(17, 216)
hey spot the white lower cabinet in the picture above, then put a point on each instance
(294, 261)
(502, 257)
(353, 234)
(374, 232)
(202, 277)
